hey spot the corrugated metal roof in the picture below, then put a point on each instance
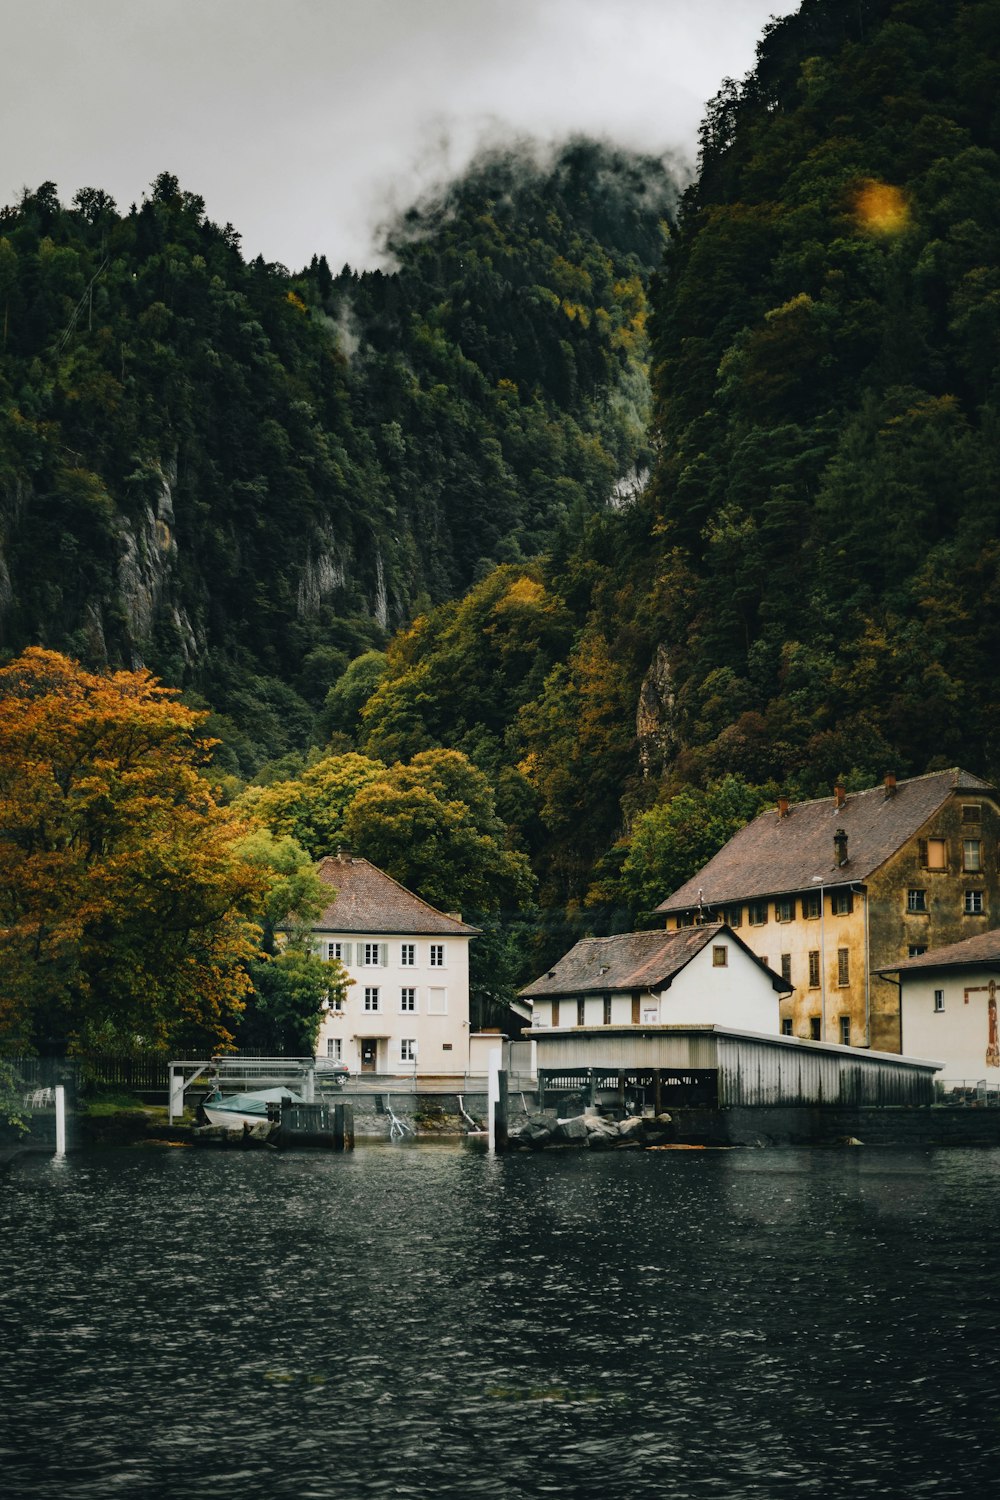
(776, 854)
(632, 961)
(369, 900)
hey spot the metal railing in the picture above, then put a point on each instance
(967, 1092)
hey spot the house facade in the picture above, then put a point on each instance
(406, 1011)
(948, 1006)
(830, 893)
(704, 975)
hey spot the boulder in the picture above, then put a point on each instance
(571, 1130)
(632, 1128)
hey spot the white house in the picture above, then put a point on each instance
(698, 976)
(407, 1010)
(948, 1002)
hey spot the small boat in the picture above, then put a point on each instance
(236, 1110)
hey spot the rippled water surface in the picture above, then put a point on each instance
(429, 1321)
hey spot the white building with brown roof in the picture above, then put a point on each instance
(948, 1004)
(407, 1010)
(832, 892)
(703, 975)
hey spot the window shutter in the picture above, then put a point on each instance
(383, 954)
(850, 902)
(922, 845)
(635, 1010)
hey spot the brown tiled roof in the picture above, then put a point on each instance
(982, 950)
(631, 961)
(773, 855)
(369, 900)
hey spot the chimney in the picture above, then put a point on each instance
(456, 916)
(840, 847)
(839, 796)
(890, 783)
(782, 805)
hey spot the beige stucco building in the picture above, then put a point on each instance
(832, 892)
(406, 1012)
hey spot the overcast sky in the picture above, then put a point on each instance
(303, 121)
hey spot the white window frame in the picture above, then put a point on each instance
(407, 955)
(334, 1049)
(437, 955)
(972, 856)
(973, 903)
(408, 1049)
(939, 1002)
(372, 999)
(408, 1000)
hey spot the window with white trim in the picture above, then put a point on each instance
(786, 1027)
(812, 904)
(437, 955)
(372, 955)
(973, 903)
(334, 1048)
(972, 855)
(408, 1049)
(916, 900)
(938, 1001)
(407, 955)
(784, 910)
(845, 1031)
(371, 997)
(758, 913)
(407, 998)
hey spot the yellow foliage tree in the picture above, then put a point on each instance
(125, 903)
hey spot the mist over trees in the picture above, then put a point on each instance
(368, 519)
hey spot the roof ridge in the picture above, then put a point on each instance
(359, 859)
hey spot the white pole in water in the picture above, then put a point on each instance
(493, 1095)
(60, 1093)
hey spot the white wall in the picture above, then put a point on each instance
(737, 993)
(957, 1036)
(440, 1023)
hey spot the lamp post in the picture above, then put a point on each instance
(818, 879)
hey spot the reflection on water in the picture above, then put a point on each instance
(430, 1321)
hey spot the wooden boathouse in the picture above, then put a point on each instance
(717, 1067)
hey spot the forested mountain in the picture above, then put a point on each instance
(243, 478)
(808, 588)
(251, 478)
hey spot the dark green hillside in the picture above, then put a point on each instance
(244, 478)
(827, 403)
(808, 588)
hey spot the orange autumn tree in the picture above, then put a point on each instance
(125, 905)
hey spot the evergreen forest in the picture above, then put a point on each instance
(469, 549)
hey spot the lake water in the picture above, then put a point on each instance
(428, 1321)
